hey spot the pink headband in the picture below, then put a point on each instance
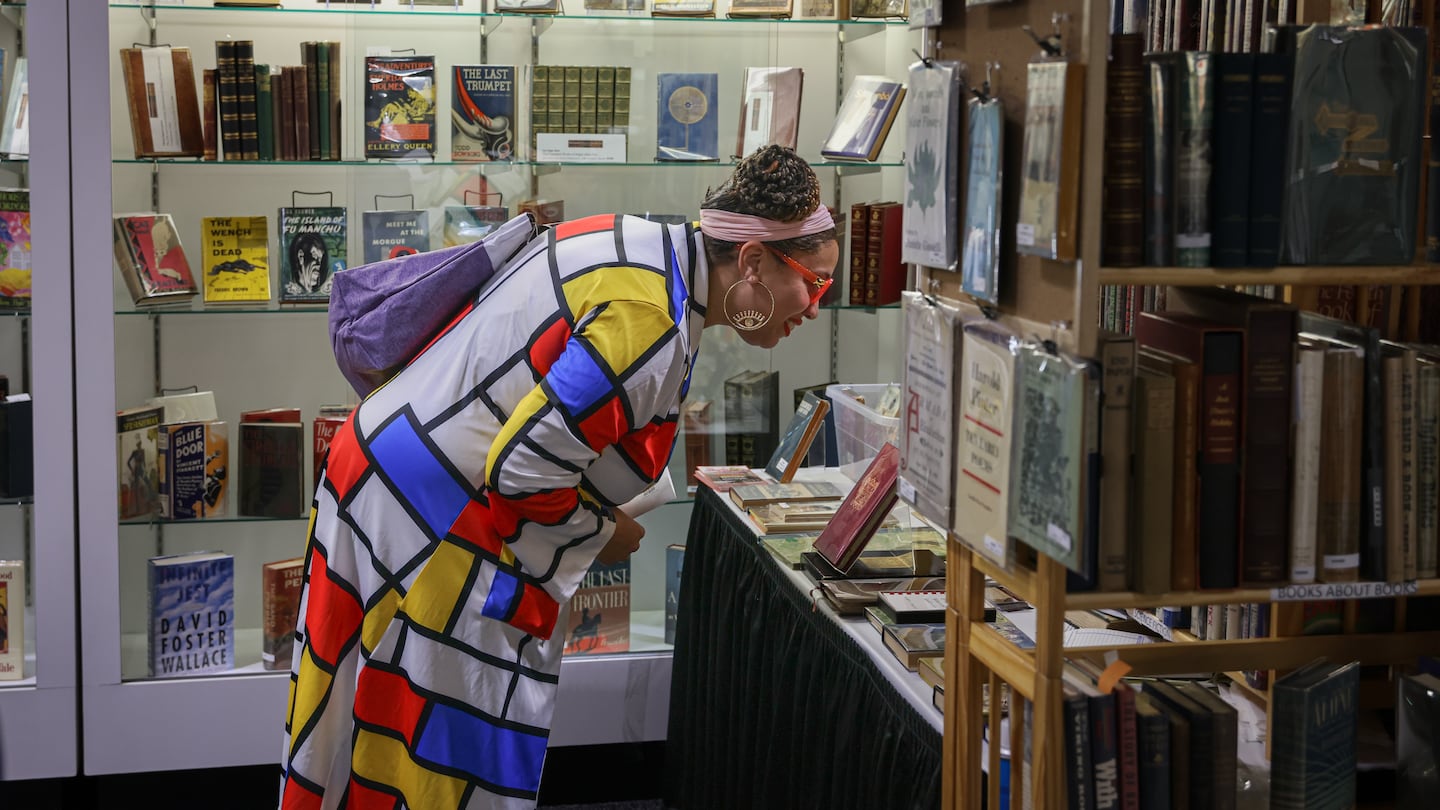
(733, 227)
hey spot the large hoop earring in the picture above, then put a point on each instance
(751, 319)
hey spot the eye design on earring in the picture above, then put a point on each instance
(748, 320)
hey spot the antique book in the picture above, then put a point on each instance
(527, 6)
(327, 423)
(825, 9)
(1050, 179)
(1194, 159)
(394, 233)
(696, 423)
(862, 511)
(983, 471)
(1122, 218)
(932, 176)
(1427, 464)
(235, 259)
(683, 8)
(600, 611)
(191, 616)
(885, 274)
(151, 259)
(1339, 532)
(1397, 375)
(759, 8)
(932, 388)
(1313, 744)
(879, 8)
(1161, 70)
(280, 585)
(674, 568)
(1218, 349)
(471, 223)
(863, 121)
(1270, 123)
(795, 442)
(272, 464)
(312, 251)
(1417, 740)
(984, 192)
(12, 620)
(1305, 493)
(483, 115)
(913, 607)
(1116, 569)
(1152, 500)
(1354, 156)
(160, 95)
(15, 262)
(1198, 766)
(769, 107)
(193, 460)
(136, 435)
(910, 643)
(399, 106)
(615, 5)
(850, 597)
(789, 549)
(723, 478)
(687, 117)
(784, 517)
(747, 496)
(1048, 469)
(1234, 82)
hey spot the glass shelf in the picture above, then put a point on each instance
(363, 9)
(23, 500)
(14, 312)
(149, 521)
(272, 308)
(845, 167)
(858, 307)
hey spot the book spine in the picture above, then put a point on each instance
(303, 81)
(1153, 732)
(873, 254)
(1104, 749)
(1338, 519)
(859, 251)
(336, 119)
(1123, 216)
(1230, 203)
(1408, 479)
(1118, 369)
(1154, 482)
(310, 56)
(1373, 520)
(1159, 166)
(1220, 431)
(287, 113)
(1193, 162)
(1310, 375)
(264, 109)
(210, 116)
(322, 107)
(1427, 472)
(1268, 400)
(1128, 748)
(245, 87)
(1078, 771)
(1184, 551)
(891, 279)
(1391, 376)
(231, 143)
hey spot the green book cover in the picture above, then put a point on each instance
(312, 251)
(1313, 745)
(322, 110)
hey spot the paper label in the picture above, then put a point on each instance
(995, 547)
(1303, 575)
(1341, 561)
(1058, 536)
(1024, 234)
(759, 109)
(162, 111)
(1343, 590)
(907, 491)
(558, 147)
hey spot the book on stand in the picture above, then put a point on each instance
(687, 119)
(272, 463)
(796, 441)
(400, 107)
(327, 423)
(160, 95)
(12, 620)
(151, 259)
(137, 432)
(191, 613)
(396, 233)
(769, 107)
(482, 113)
(862, 511)
(312, 251)
(15, 263)
(864, 119)
(600, 611)
(281, 583)
(193, 460)
(235, 259)
(1050, 162)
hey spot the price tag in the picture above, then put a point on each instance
(1058, 536)
(907, 491)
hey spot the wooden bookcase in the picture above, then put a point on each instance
(1059, 300)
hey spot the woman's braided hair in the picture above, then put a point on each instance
(775, 183)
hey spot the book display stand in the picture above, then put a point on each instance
(1060, 300)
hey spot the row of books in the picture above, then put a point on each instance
(1218, 158)
(296, 114)
(174, 460)
(810, 9)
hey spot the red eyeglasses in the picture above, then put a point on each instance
(820, 284)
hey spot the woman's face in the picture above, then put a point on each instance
(795, 293)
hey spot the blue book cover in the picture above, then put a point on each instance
(482, 113)
(192, 613)
(674, 564)
(392, 234)
(687, 121)
(864, 119)
(980, 257)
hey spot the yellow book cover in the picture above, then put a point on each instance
(236, 259)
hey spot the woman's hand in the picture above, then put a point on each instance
(624, 542)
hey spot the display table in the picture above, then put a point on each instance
(776, 701)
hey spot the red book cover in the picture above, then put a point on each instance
(326, 426)
(159, 260)
(862, 511)
(285, 415)
(280, 584)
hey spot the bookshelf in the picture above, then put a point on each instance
(1059, 300)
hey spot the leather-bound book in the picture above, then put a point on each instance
(1230, 188)
(148, 121)
(1123, 229)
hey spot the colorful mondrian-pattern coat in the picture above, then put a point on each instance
(461, 505)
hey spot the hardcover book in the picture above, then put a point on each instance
(932, 397)
(724, 478)
(862, 511)
(327, 424)
(674, 567)
(879, 8)
(482, 113)
(784, 517)
(272, 463)
(796, 441)
(471, 223)
(983, 196)
(683, 8)
(528, 6)
(910, 643)
(769, 108)
(399, 106)
(151, 260)
(137, 433)
(759, 8)
(160, 95)
(1417, 740)
(15, 264)
(864, 119)
(687, 119)
(747, 496)
(1194, 159)
(392, 234)
(280, 584)
(1353, 160)
(192, 613)
(12, 620)
(193, 460)
(932, 179)
(312, 251)
(1313, 745)
(615, 5)
(17, 446)
(236, 259)
(600, 611)
(1049, 466)
(983, 472)
(15, 129)
(1049, 186)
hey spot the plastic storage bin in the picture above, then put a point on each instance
(860, 431)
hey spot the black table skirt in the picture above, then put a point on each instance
(771, 704)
